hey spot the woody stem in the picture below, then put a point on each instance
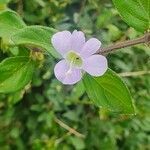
(144, 39)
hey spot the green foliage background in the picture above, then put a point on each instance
(28, 118)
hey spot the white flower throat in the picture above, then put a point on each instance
(74, 60)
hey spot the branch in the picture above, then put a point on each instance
(144, 39)
(71, 130)
(133, 74)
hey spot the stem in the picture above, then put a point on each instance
(114, 47)
(134, 74)
(70, 129)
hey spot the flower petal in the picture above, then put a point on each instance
(61, 72)
(77, 40)
(62, 42)
(95, 65)
(90, 47)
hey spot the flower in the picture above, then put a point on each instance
(77, 57)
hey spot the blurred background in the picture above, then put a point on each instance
(51, 116)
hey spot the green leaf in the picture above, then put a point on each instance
(15, 97)
(4, 1)
(37, 36)
(135, 12)
(10, 22)
(77, 142)
(15, 73)
(109, 91)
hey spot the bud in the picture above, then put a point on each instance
(2, 7)
(38, 57)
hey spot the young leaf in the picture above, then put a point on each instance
(15, 73)
(110, 92)
(135, 12)
(37, 36)
(10, 22)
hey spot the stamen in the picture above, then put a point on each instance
(70, 66)
(74, 59)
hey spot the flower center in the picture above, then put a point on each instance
(74, 59)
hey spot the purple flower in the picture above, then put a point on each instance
(77, 57)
